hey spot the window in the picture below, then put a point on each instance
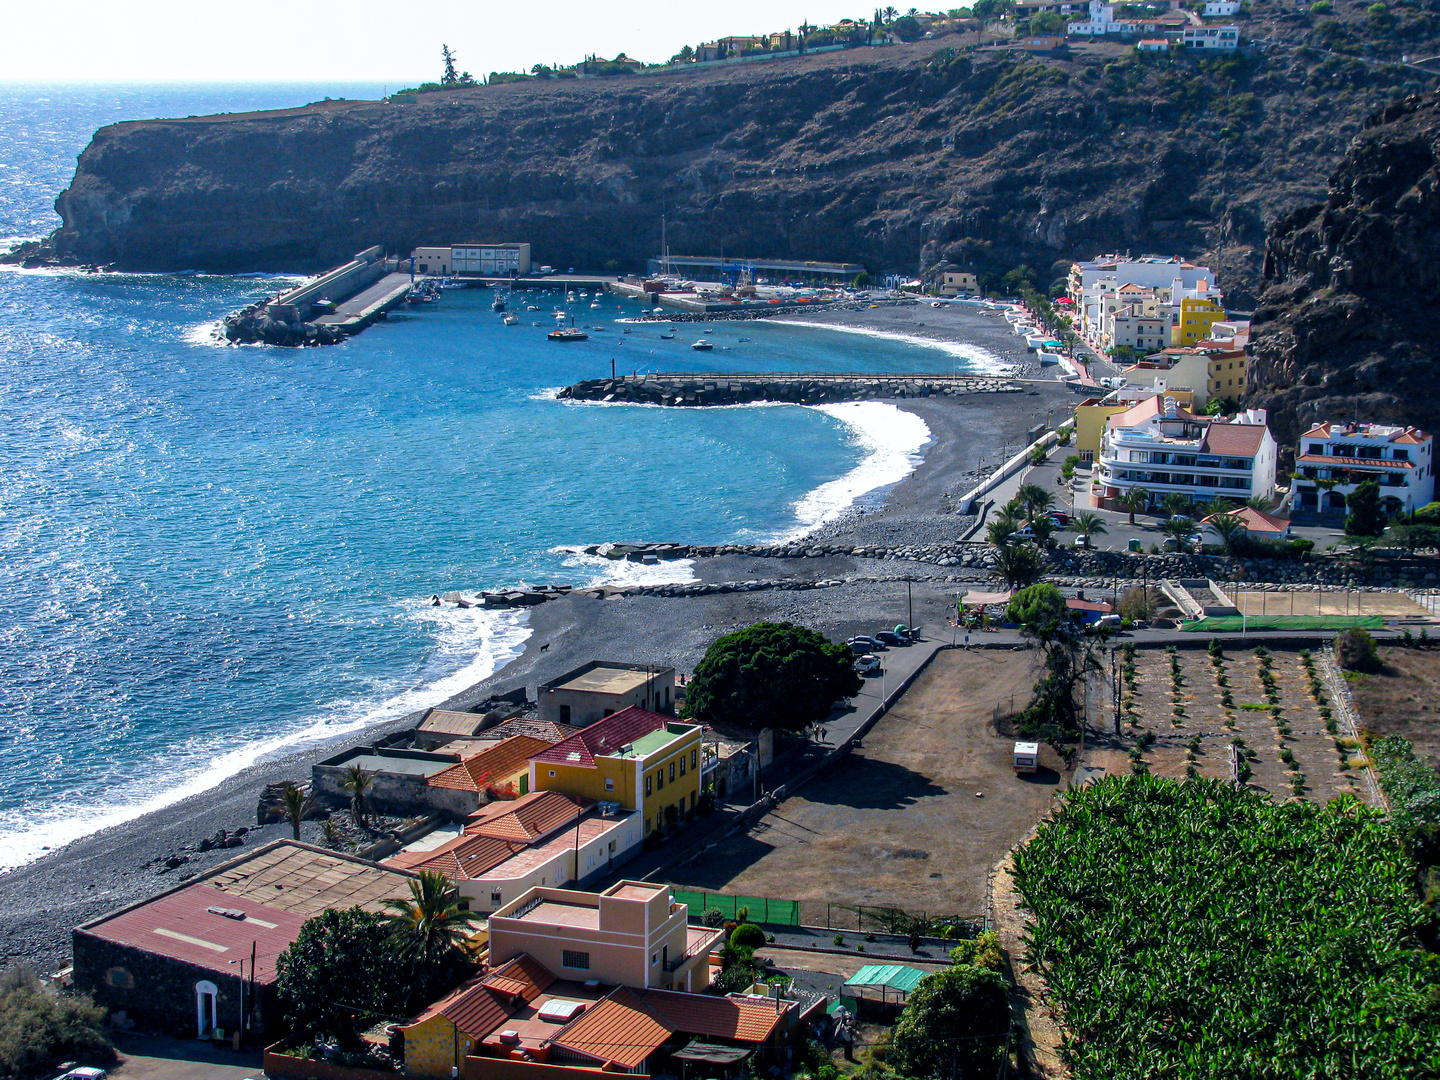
(495, 897)
(608, 712)
(672, 772)
(649, 789)
(682, 765)
(647, 826)
(612, 844)
(573, 958)
(564, 714)
(609, 783)
(552, 772)
(692, 758)
(119, 979)
(654, 958)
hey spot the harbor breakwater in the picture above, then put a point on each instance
(682, 389)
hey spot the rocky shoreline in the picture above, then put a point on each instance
(681, 390)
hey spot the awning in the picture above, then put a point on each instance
(712, 1053)
(890, 976)
(976, 598)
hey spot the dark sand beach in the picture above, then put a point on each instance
(39, 903)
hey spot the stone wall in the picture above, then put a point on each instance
(808, 389)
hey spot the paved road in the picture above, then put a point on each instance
(153, 1057)
(353, 307)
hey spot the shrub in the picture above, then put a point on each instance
(982, 951)
(1356, 651)
(713, 918)
(747, 936)
(39, 1027)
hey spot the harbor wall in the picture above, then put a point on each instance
(679, 389)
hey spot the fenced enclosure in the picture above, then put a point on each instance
(823, 915)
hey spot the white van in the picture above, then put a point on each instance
(1027, 757)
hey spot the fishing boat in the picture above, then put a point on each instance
(702, 345)
(668, 337)
(511, 320)
(568, 333)
(498, 304)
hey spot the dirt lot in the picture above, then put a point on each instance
(1404, 699)
(898, 822)
(1316, 602)
(1192, 725)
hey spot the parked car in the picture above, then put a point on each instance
(867, 664)
(1059, 517)
(866, 643)
(1082, 541)
(1108, 622)
(84, 1073)
(889, 637)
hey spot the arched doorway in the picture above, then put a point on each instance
(206, 1002)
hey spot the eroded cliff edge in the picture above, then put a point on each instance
(899, 158)
(1346, 327)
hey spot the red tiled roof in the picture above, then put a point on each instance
(1241, 440)
(1089, 605)
(461, 859)
(526, 819)
(604, 737)
(734, 1017)
(617, 1030)
(473, 1008)
(1255, 520)
(497, 764)
(180, 925)
(522, 977)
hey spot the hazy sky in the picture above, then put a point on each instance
(363, 40)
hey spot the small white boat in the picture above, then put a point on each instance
(511, 320)
(531, 307)
(702, 345)
(709, 331)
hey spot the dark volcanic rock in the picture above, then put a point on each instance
(901, 158)
(1346, 327)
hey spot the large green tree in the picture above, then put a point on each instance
(1366, 516)
(775, 675)
(427, 929)
(953, 1027)
(1070, 654)
(39, 1027)
(341, 975)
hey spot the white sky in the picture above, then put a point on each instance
(149, 41)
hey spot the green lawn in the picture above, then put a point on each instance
(1219, 623)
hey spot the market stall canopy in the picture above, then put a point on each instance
(889, 976)
(976, 598)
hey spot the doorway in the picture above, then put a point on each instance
(206, 1000)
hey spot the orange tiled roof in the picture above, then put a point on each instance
(499, 763)
(1242, 440)
(617, 1030)
(1374, 464)
(473, 1009)
(526, 819)
(523, 977)
(1255, 520)
(734, 1017)
(461, 859)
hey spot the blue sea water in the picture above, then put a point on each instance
(209, 553)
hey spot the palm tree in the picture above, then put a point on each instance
(889, 14)
(1176, 504)
(1089, 524)
(1259, 502)
(1133, 500)
(1019, 564)
(1038, 455)
(357, 782)
(1042, 528)
(1179, 528)
(1212, 506)
(297, 803)
(429, 927)
(1001, 530)
(1231, 530)
(1035, 499)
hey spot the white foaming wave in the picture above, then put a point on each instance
(206, 333)
(892, 439)
(624, 572)
(981, 361)
(481, 640)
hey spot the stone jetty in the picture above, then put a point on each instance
(679, 388)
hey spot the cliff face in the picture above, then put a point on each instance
(900, 158)
(1346, 327)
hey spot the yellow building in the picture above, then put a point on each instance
(1196, 318)
(640, 759)
(1092, 413)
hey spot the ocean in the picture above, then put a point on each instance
(209, 554)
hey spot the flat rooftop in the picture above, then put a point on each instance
(408, 766)
(627, 891)
(607, 679)
(648, 744)
(557, 913)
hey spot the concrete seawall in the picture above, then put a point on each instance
(680, 389)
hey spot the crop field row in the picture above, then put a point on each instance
(1261, 714)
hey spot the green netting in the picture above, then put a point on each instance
(761, 909)
(1285, 622)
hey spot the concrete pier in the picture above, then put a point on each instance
(720, 388)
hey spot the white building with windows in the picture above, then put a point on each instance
(1221, 8)
(1160, 447)
(1210, 37)
(1341, 456)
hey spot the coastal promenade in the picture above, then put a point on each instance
(739, 388)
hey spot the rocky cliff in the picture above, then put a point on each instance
(1346, 326)
(900, 158)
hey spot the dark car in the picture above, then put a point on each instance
(865, 643)
(889, 637)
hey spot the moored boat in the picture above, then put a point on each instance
(567, 333)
